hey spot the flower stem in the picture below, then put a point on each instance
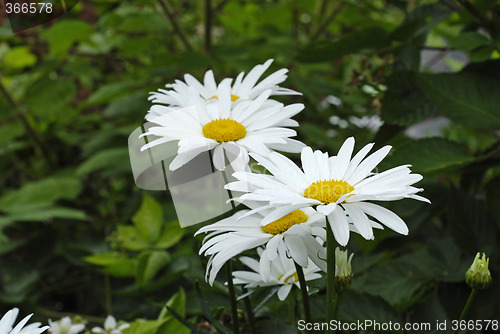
(331, 297)
(251, 317)
(467, 306)
(303, 290)
(232, 296)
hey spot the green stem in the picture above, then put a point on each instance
(251, 317)
(303, 290)
(232, 296)
(208, 25)
(331, 298)
(165, 6)
(467, 306)
(109, 302)
(32, 132)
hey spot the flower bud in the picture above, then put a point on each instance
(343, 275)
(478, 276)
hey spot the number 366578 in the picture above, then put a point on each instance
(28, 8)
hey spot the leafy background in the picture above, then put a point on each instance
(78, 237)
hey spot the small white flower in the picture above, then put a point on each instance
(339, 187)
(297, 231)
(283, 272)
(251, 126)
(191, 92)
(8, 319)
(110, 326)
(65, 326)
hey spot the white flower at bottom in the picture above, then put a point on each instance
(283, 272)
(340, 187)
(65, 326)
(240, 232)
(8, 319)
(110, 326)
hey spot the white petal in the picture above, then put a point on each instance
(339, 225)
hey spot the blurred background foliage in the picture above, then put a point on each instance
(78, 237)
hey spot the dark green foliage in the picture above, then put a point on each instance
(77, 235)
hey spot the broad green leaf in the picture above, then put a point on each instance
(19, 57)
(144, 326)
(471, 224)
(149, 219)
(109, 92)
(64, 33)
(42, 193)
(356, 42)
(114, 263)
(466, 99)
(148, 265)
(403, 102)
(178, 303)
(115, 159)
(468, 41)
(130, 238)
(172, 233)
(374, 308)
(50, 97)
(48, 213)
(135, 104)
(9, 132)
(17, 281)
(429, 155)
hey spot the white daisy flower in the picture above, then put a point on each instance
(283, 272)
(252, 126)
(240, 232)
(65, 326)
(110, 326)
(191, 92)
(338, 186)
(8, 319)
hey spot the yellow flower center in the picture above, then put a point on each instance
(224, 130)
(284, 223)
(286, 280)
(328, 191)
(233, 98)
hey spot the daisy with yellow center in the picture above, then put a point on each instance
(251, 126)
(190, 92)
(298, 232)
(339, 187)
(282, 273)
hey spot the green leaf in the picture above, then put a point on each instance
(404, 103)
(466, 99)
(177, 303)
(115, 159)
(16, 282)
(149, 219)
(275, 326)
(172, 233)
(130, 238)
(109, 92)
(430, 155)
(40, 194)
(9, 132)
(114, 263)
(19, 57)
(64, 33)
(363, 40)
(468, 41)
(144, 326)
(50, 97)
(374, 308)
(148, 265)
(43, 214)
